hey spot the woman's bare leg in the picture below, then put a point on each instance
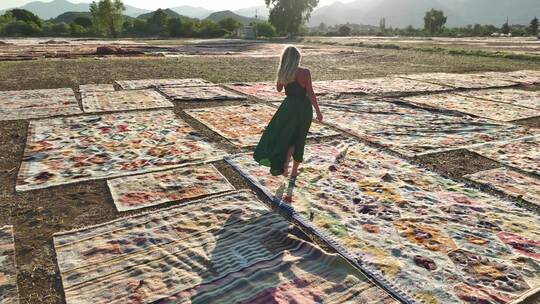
(295, 169)
(290, 152)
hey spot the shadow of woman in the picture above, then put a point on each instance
(243, 249)
(260, 260)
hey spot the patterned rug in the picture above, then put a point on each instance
(526, 77)
(154, 83)
(262, 90)
(462, 81)
(523, 98)
(521, 153)
(511, 183)
(243, 125)
(441, 241)
(70, 150)
(266, 90)
(200, 93)
(340, 86)
(8, 269)
(141, 191)
(381, 86)
(31, 104)
(474, 106)
(95, 102)
(225, 249)
(89, 88)
(413, 131)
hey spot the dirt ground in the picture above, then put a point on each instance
(33, 49)
(362, 63)
(516, 45)
(37, 215)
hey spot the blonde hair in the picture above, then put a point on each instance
(289, 63)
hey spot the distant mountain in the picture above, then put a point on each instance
(169, 12)
(261, 11)
(218, 16)
(399, 13)
(327, 19)
(48, 10)
(192, 11)
(7, 4)
(402, 13)
(329, 14)
(134, 11)
(69, 17)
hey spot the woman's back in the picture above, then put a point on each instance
(294, 89)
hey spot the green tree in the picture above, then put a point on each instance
(230, 24)
(477, 30)
(189, 28)
(20, 28)
(409, 30)
(178, 27)
(139, 26)
(505, 29)
(533, 27)
(174, 27)
(83, 21)
(519, 30)
(265, 29)
(107, 16)
(60, 29)
(382, 25)
(303, 30)
(26, 16)
(5, 20)
(127, 27)
(344, 30)
(210, 29)
(76, 30)
(157, 24)
(289, 15)
(434, 20)
(46, 28)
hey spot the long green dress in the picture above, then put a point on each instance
(289, 127)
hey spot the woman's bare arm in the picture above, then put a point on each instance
(311, 94)
(279, 87)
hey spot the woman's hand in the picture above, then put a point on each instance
(319, 116)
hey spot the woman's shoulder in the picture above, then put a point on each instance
(303, 73)
(302, 70)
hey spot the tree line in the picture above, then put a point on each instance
(106, 19)
(434, 25)
(287, 17)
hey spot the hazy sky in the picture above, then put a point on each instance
(154, 4)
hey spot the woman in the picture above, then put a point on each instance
(285, 136)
